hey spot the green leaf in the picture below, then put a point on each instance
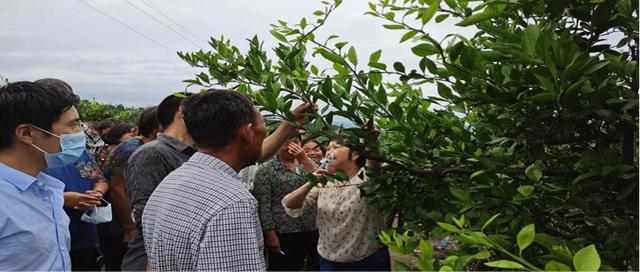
(278, 36)
(303, 22)
(426, 248)
(482, 255)
(424, 49)
(477, 173)
(375, 57)
(318, 13)
(396, 110)
(398, 66)
(488, 222)
(505, 264)
(353, 57)
(400, 266)
(393, 26)
(408, 35)
(587, 259)
(459, 222)
(543, 97)
(445, 92)
(477, 18)
(446, 268)
(448, 227)
(332, 57)
(556, 266)
(441, 17)
(525, 190)
(460, 194)
(533, 172)
(314, 70)
(584, 176)
(427, 14)
(526, 237)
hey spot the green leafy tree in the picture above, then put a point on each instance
(531, 160)
(92, 110)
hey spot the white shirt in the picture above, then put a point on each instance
(347, 224)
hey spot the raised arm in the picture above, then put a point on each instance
(272, 143)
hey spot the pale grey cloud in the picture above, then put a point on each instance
(104, 60)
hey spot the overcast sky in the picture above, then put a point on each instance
(102, 59)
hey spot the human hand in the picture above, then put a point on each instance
(306, 109)
(297, 151)
(272, 241)
(94, 193)
(80, 201)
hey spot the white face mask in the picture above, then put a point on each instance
(99, 214)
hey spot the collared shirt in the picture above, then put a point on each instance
(34, 229)
(148, 166)
(145, 169)
(347, 224)
(273, 182)
(201, 217)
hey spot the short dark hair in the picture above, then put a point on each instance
(54, 83)
(106, 123)
(213, 117)
(148, 121)
(361, 161)
(31, 103)
(168, 107)
(112, 137)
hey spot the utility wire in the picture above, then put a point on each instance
(127, 26)
(173, 21)
(163, 24)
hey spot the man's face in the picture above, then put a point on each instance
(254, 148)
(68, 123)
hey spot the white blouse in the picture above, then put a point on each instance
(347, 224)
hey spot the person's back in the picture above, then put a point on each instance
(201, 217)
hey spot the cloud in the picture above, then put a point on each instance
(102, 59)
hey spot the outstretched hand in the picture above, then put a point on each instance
(305, 109)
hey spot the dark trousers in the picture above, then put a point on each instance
(378, 261)
(296, 248)
(136, 257)
(112, 253)
(85, 259)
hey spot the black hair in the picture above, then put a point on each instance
(31, 103)
(361, 161)
(318, 143)
(213, 117)
(54, 83)
(106, 123)
(112, 137)
(148, 121)
(168, 107)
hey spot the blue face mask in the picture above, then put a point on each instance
(72, 146)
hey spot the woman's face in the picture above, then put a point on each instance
(127, 136)
(342, 160)
(313, 151)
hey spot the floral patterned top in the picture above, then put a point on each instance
(272, 182)
(347, 224)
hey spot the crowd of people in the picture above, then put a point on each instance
(197, 184)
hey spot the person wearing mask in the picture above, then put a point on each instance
(115, 236)
(347, 224)
(290, 241)
(117, 134)
(152, 162)
(84, 188)
(39, 128)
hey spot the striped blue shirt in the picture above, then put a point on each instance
(34, 229)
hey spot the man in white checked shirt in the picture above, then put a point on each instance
(201, 216)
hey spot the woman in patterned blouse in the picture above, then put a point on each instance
(348, 225)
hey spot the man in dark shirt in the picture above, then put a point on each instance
(152, 162)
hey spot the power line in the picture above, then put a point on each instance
(173, 21)
(127, 26)
(163, 24)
